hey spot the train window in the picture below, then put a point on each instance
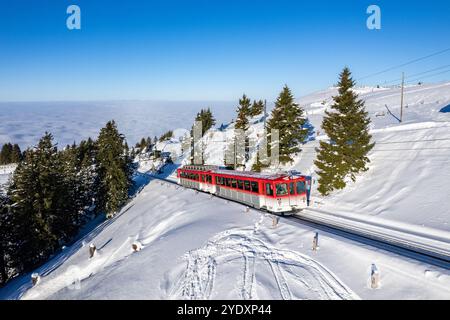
(228, 181)
(282, 189)
(300, 187)
(208, 179)
(291, 188)
(233, 183)
(255, 188)
(240, 184)
(203, 178)
(269, 190)
(247, 185)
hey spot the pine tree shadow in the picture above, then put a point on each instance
(311, 131)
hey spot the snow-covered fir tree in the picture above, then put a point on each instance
(257, 108)
(114, 167)
(243, 113)
(6, 241)
(288, 118)
(347, 127)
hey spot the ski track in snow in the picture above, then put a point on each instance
(292, 272)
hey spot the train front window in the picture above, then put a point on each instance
(300, 187)
(282, 189)
(269, 190)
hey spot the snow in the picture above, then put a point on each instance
(408, 175)
(409, 169)
(195, 246)
(5, 175)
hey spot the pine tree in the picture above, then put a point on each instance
(243, 113)
(288, 118)
(6, 154)
(257, 166)
(148, 143)
(115, 170)
(90, 185)
(6, 265)
(71, 197)
(257, 108)
(16, 155)
(347, 127)
(32, 237)
(54, 200)
(207, 119)
(166, 136)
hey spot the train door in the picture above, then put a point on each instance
(267, 195)
(293, 198)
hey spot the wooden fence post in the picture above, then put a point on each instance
(92, 249)
(35, 278)
(374, 277)
(315, 245)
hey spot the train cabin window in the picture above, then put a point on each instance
(240, 184)
(209, 178)
(282, 189)
(203, 178)
(269, 190)
(233, 183)
(255, 188)
(300, 187)
(292, 188)
(228, 180)
(247, 185)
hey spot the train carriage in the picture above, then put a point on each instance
(277, 193)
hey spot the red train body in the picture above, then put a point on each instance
(277, 193)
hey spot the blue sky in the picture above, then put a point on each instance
(210, 49)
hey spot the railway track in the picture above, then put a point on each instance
(427, 250)
(381, 241)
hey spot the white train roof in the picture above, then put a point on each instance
(247, 174)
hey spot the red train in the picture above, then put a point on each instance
(277, 193)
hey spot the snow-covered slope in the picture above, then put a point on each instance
(410, 164)
(195, 246)
(198, 247)
(5, 175)
(409, 170)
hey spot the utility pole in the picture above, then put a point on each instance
(401, 103)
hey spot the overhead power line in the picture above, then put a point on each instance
(429, 76)
(404, 64)
(418, 74)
